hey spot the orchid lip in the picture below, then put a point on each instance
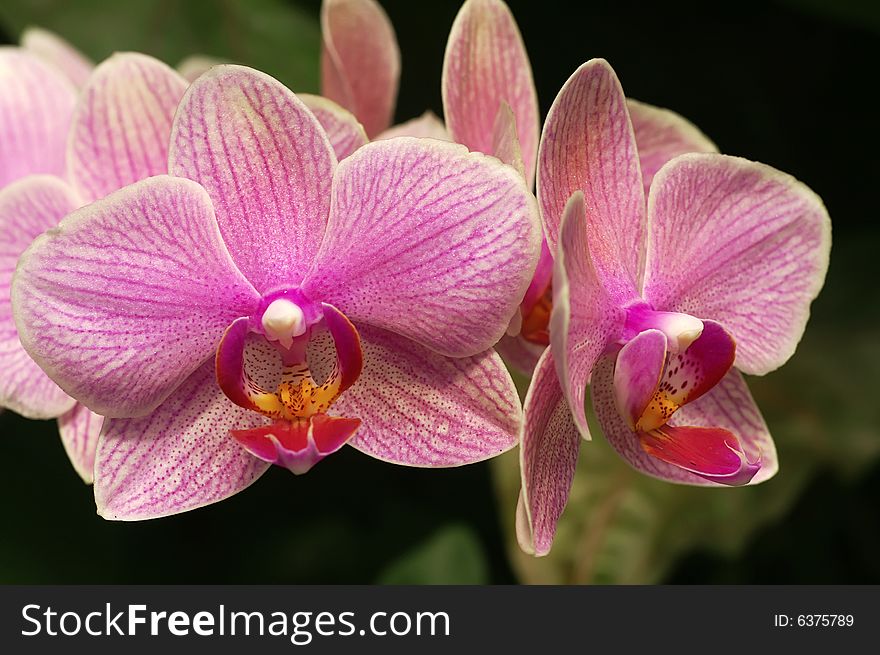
(681, 330)
(302, 433)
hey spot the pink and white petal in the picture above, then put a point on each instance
(195, 66)
(729, 406)
(28, 207)
(267, 165)
(422, 409)
(588, 145)
(485, 65)
(122, 124)
(585, 319)
(80, 429)
(346, 134)
(662, 134)
(128, 295)
(35, 110)
(360, 61)
(429, 241)
(505, 143)
(54, 50)
(637, 373)
(519, 353)
(426, 126)
(742, 244)
(548, 457)
(178, 458)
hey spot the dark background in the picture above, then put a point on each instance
(789, 83)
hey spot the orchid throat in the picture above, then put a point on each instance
(301, 433)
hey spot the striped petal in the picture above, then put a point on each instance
(360, 61)
(426, 126)
(418, 408)
(740, 243)
(122, 123)
(35, 110)
(585, 318)
(346, 134)
(80, 429)
(178, 458)
(486, 65)
(662, 134)
(267, 165)
(548, 457)
(54, 50)
(429, 241)
(728, 406)
(28, 207)
(588, 145)
(129, 295)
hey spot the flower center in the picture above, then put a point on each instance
(302, 433)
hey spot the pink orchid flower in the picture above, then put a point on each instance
(661, 306)
(115, 134)
(491, 106)
(277, 305)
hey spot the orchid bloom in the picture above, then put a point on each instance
(117, 133)
(661, 306)
(360, 69)
(277, 305)
(491, 106)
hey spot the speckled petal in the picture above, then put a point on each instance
(79, 429)
(178, 458)
(419, 408)
(548, 457)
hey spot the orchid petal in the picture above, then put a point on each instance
(28, 207)
(80, 429)
(346, 134)
(728, 406)
(548, 457)
(265, 162)
(128, 295)
(194, 66)
(419, 408)
(588, 144)
(178, 458)
(637, 373)
(360, 61)
(585, 317)
(52, 49)
(741, 243)
(426, 126)
(519, 353)
(122, 123)
(429, 241)
(662, 134)
(485, 65)
(35, 109)
(505, 143)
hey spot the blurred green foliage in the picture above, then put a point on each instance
(274, 36)
(453, 555)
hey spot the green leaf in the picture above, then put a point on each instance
(271, 35)
(453, 555)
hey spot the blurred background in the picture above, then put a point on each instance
(791, 83)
